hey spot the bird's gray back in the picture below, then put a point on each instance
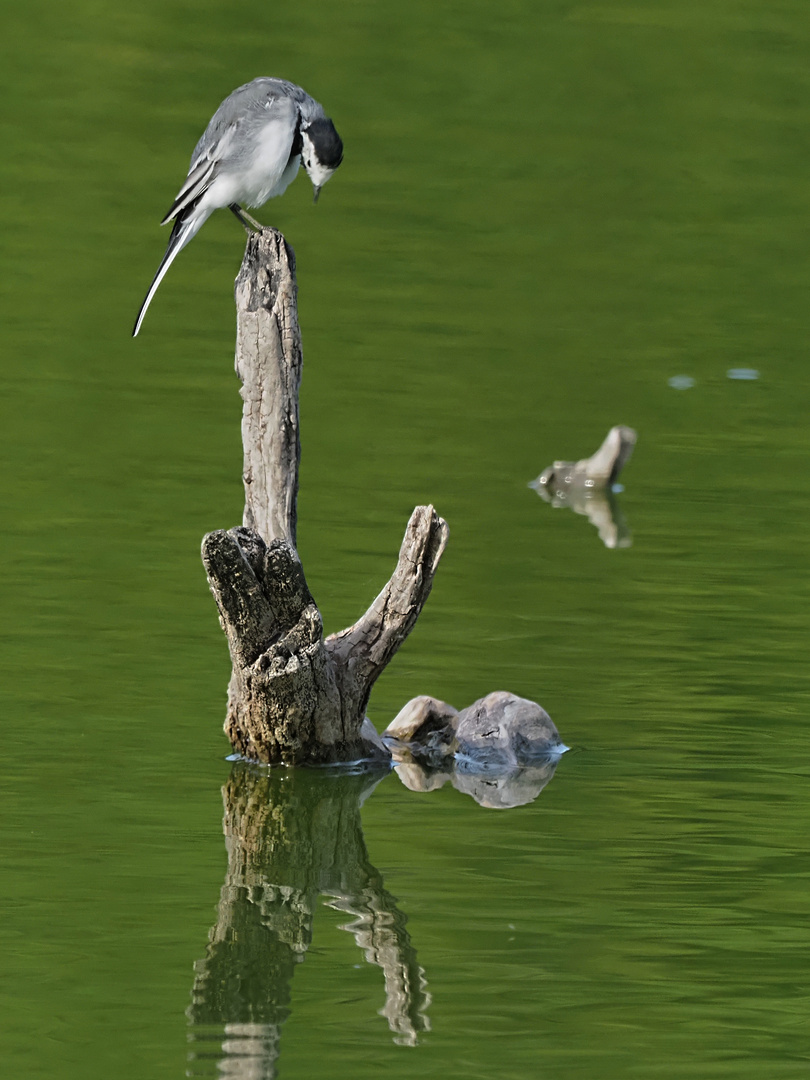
(250, 106)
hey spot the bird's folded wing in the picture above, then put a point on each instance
(200, 175)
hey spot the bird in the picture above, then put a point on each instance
(250, 152)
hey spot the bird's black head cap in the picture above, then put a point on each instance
(326, 142)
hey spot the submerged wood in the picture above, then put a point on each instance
(600, 470)
(294, 696)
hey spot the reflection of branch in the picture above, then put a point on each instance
(290, 837)
(379, 930)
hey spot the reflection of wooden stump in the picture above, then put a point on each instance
(291, 837)
(294, 697)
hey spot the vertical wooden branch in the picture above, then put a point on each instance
(269, 363)
(294, 697)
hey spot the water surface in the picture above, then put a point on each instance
(546, 212)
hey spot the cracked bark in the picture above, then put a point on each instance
(293, 696)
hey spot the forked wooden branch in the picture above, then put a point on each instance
(294, 697)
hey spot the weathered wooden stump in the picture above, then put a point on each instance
(293, 696)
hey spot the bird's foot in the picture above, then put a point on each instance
(250, 224)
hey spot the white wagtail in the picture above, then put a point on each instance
(250, 152)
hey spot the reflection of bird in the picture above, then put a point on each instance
(250, 152)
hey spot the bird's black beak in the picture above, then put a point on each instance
(316, 194)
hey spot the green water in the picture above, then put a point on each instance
(546, 211)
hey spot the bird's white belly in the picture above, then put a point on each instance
(265, 173)
(280, 185)
(250, 187)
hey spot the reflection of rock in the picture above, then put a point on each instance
(586, 486)
(501, 750)
(419, 777)
(503, 790)
(490, 788)
(292, 836)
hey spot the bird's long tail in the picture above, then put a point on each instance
(183, 231)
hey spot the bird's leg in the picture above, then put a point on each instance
(249, 222)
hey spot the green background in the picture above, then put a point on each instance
(546, 211)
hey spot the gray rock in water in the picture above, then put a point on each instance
(422, 717)
(500, 732)
(424, 728)
(505, 731)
